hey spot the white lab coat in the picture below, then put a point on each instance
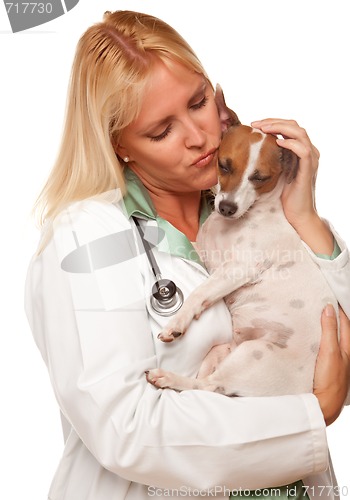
(124, 438)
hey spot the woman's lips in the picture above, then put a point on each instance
(205, 159)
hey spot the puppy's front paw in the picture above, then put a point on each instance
(169, 335)
(178, 325)
(160, 378)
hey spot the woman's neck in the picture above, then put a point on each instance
(180, 209)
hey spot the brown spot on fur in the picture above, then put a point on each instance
(276, 333)
(286, 265)
(297, 304)
(220, 390)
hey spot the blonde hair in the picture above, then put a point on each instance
(112, 64)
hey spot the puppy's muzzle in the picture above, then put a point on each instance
(227, 208)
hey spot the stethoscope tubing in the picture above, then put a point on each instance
(166, 297)
(146, 245)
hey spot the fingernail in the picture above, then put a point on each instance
(329, 310)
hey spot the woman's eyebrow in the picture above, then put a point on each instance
(154, 125)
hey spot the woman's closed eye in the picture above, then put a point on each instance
(200, 104)
(167, 130)
(162, 135)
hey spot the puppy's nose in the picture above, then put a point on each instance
(227, 208)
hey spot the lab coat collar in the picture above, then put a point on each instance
(139, 204)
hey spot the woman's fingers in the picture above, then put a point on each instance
(332, 370)
(289, 129)
(295, 138)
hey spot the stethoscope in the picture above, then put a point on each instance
(166, 297)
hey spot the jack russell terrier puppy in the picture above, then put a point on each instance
(257, 262)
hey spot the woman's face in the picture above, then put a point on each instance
(172, 145)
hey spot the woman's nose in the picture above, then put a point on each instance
(195, 135)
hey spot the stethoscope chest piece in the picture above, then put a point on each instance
(166, 297)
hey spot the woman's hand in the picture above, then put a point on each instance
(332, 372)
(298, 198)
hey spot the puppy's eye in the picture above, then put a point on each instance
(225, 166)
(259, 178)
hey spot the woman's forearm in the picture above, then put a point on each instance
(316, 234)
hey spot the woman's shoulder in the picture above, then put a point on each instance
(105, 211)
(86, 220)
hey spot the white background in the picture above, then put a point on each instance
(273, 58)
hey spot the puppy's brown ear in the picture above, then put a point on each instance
(289, 163)
(228, 117)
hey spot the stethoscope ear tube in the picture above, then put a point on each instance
(166, 297)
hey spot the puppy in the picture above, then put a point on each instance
(257, 262)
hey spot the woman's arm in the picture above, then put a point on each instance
(336, 271)
(96, 356)
(298, 198)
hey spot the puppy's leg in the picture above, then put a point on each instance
(215, 356)
(254, 368)
(225, 280)
(164, 379)
(168, 380)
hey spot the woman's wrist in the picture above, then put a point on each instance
(331, 405)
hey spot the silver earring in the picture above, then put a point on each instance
(126, 159)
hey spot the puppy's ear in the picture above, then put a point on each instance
(289, 163)
(228, 117)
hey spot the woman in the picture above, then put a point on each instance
(142, 122)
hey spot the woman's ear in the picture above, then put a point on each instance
(122, 153)
(228, 118)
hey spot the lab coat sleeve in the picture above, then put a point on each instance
(97, 353)
(337, 271)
